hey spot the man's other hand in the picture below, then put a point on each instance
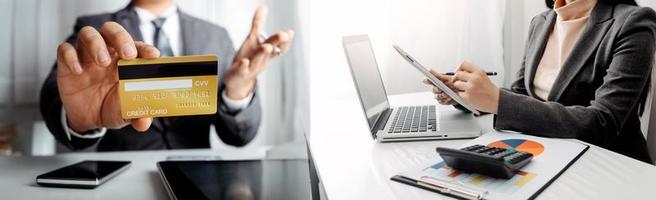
(254, 56)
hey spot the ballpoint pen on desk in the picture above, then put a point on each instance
(486, 73)
(444, 187)
(276, 49)
(451, 189)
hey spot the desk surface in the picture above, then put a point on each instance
(140, 181)
(351, 165)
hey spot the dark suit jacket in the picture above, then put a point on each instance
(198, 37)
(598, 94)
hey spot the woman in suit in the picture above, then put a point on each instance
(585, 74)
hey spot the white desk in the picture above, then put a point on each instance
(351, 165)
(140, 181)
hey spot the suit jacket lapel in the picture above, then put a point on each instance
(536, 51)
(188, 28)
(598, 25)
(129, 19)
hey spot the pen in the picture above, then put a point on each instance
(438, 186)
(276, 49)
(486, 73)
(451, 189)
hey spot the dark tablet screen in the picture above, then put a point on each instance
(253, 179)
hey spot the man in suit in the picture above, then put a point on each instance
(79, 99)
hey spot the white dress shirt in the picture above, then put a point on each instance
(171, 28)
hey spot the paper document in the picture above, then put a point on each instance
(551, 157)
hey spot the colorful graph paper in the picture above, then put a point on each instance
(520, 145)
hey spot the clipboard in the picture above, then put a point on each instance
(548, 172)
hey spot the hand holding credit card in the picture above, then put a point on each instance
(172, 86)
(87, 79)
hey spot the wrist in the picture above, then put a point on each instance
(238, 93)
(79, 127)
(495, 101)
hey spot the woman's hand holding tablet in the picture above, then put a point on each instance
(441, 85)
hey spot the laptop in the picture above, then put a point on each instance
(403, 123)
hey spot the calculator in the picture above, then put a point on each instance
(490, 161)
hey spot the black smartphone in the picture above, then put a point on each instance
(85, 174)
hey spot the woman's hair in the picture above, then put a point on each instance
(550, 3)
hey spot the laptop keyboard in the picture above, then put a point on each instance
(414, 119)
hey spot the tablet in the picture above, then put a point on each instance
(236, 179)
(434, 80)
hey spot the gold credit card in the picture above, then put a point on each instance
(171, 86)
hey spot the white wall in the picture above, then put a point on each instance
(6, 13)
(647, 3)
(520, 13)
(439, 33)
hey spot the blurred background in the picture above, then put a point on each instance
(439, 33)
(34, 28)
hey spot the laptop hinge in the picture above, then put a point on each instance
(380, 123)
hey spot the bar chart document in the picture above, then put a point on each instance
(551, 158)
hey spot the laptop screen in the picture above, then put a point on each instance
(366, 76)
